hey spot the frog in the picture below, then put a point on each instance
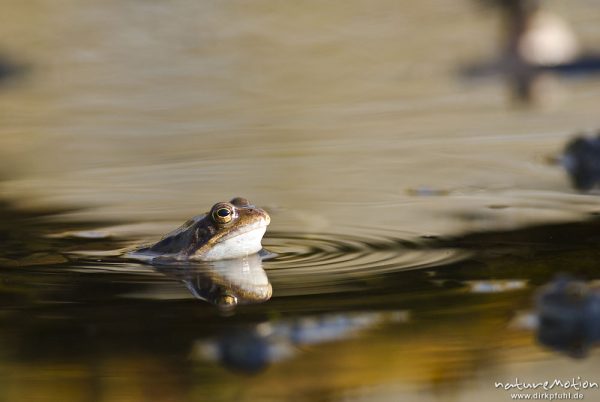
(229, 230)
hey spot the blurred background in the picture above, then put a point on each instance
(406, 151)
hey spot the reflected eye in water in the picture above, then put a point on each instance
(226, 302)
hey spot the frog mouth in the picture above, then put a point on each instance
(255, 226)
(239, 244)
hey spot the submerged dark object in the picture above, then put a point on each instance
(581, 160)
(10, 69)
(569, 316)
(251, 349)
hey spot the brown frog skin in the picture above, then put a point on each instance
(231, 229)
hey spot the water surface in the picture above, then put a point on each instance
(414, 214)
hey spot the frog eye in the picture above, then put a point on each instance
(222, 214)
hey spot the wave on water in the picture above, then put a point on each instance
(326, 262)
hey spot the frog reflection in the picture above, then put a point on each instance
(225, 283)
(251, 349)
(568, 313)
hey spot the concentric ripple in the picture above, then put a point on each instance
(325, 262)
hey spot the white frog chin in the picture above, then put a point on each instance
(236, 247)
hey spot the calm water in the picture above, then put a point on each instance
(415, 214)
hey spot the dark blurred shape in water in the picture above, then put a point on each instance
(569, 316)
(225, 283)
(9, 69)
(535, 43)
(252, 349)
(581, 159)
